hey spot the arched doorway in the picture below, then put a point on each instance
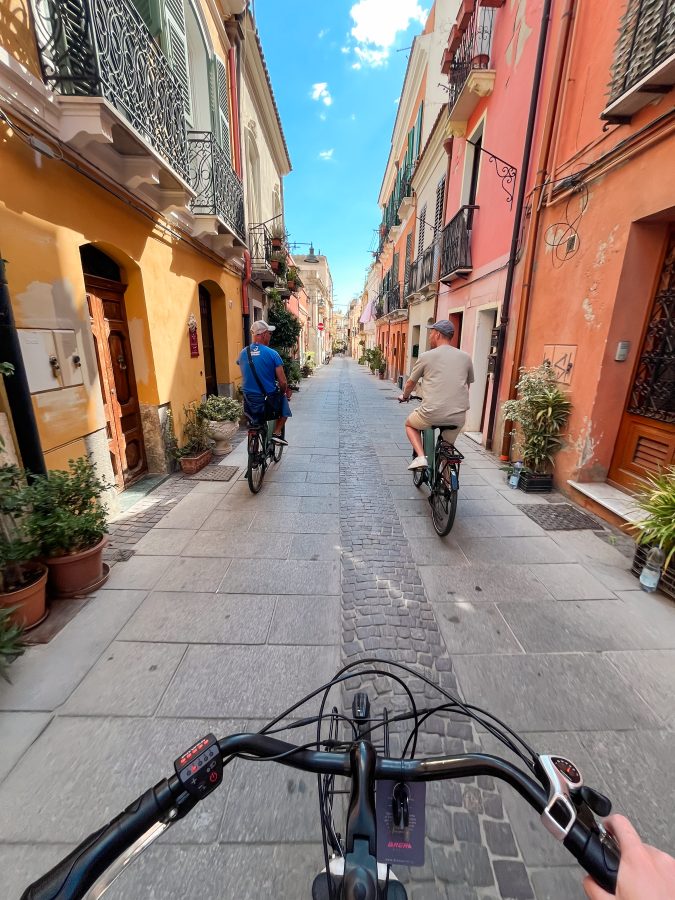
(105, 299)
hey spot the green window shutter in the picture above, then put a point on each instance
(176, 40)
(422, 228)
(149, 12)
(222, 106)
(418, 132)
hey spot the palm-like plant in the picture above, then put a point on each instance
(658, 502)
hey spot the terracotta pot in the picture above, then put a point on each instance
(30, 601)
(274, 265)
(222, 432)
(76, 573)
(192, 464)
(276, 244)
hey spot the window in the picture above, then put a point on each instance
(408, 258)
(646, 39)
(176, 42)
(422, 228)
(221, 105)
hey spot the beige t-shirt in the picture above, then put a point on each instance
(447, 374)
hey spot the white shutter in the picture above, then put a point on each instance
(222, 107)
(176, 39)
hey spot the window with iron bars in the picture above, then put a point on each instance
(646, 39)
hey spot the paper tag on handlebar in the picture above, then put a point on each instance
(401, 846)
(200, 768)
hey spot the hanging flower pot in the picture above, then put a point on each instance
(276, 243)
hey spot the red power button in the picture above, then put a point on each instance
(213, 777)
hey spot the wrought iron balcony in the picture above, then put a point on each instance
(471, 76)
(424, 272)
(456, 245)
(219, 192)
(644, 57)
(260, 247)
(102, 49)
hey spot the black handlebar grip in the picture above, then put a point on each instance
(73, 876)
(600, 858)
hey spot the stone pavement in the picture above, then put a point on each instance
(233, 606)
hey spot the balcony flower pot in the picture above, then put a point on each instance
(667, 580)
(532, 483)
(193, 464)
(29, 601)
(277, 243)
(76, 573)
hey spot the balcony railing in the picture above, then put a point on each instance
(424, 270)
(218, 189)
(260, 247)
(456, 244)
(102, 48)
(472, 53)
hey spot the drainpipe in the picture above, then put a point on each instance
(18, 392)
(548, 147)
(524, 169)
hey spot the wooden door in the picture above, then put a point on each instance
(646, 440)
(207, 342)
(118, 382)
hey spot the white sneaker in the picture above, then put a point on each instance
(420, 462)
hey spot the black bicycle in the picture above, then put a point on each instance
(552, 785)
(262, 452)
(441, 475)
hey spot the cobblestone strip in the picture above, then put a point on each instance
(470, 850)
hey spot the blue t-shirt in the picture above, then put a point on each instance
(265, 360)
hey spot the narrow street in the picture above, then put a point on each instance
(232, 606)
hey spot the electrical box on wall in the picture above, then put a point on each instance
(52, 359)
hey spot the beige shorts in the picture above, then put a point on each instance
(420, 420)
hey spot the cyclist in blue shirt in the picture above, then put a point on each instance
(269, 368)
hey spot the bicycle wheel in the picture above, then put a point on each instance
(443, 498)
(255, 471)
(278, 448)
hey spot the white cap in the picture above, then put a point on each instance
(261, 326)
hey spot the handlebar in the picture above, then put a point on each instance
(168, 801)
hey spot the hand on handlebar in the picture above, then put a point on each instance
(402, 399)
(644, 871)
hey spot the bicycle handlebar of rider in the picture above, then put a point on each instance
(73, 876)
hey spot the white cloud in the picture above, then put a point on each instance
(323, 33)
(322, 116)
(326, 155)
(353, 117)
(320, 92)
(345, 49)
(397, 101)
(356, 65)
(377, 23)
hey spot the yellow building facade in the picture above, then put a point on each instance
(122, 221)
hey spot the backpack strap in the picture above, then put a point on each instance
(255, 374)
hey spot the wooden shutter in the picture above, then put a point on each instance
(646, 38)
(222, 106)
(438, 215)
(418, 132)
(176, 40)
(149, 12)
(422, 227)
(408, 257)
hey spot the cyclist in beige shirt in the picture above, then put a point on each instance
(447, 374)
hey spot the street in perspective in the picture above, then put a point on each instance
(337, 450)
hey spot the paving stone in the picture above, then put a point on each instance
(264, 502)
(315, 546)
(512, 550)
(211, 682)
(137, 573)
(570, 581)
(499, 838)
(466, 827)
(201, 618)
(553, 692)
(128, 680)
(164, 542)
(230, 520)
(22, 864)
(305, 620)
(564, 883)
(18, 730)
(284, 577)
(297, 523)
(475, 583)
(253, 544)
(513, 880)
(649, 671)
(475, 628)
(190, 512)
(193, 574)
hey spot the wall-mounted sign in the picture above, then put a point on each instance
(320, 326)
(192, 332)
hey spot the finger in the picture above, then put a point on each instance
(624, 832)
(594, 891)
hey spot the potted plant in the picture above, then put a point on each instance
(382, 371)
(196, 451)
(293, 279)
(23, 579)
(69, 520)
(657, 529)
(222, 415)
(540, 411)
(11, 640)
(278, 263)
(278, 237)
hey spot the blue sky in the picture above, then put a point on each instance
(337, 76)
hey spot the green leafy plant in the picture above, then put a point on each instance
(375, 359)
(11, 641)
(293, 277)
(221, 409)
(196, 433)
(279, 257)
(18, 549)
(278, 233)
(67, 513)
(286, 324)
(540, 413)
(6, 369)
(658, 502)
